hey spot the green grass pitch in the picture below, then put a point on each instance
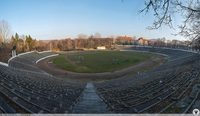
(99, 61)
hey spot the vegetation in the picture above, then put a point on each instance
(99, 61)
(164, 11)
(81, 43)
(4, 31)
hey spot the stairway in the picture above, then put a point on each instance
(90, 102)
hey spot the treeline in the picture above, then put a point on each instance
(80, 44)
(21, 43)
(26, 43)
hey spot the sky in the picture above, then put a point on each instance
(59, 19)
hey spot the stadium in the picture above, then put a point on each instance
(100, 57)
(172, 86)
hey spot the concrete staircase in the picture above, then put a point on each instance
(90, 102)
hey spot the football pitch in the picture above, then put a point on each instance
(99, 61)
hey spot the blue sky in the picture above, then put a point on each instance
(54, 19)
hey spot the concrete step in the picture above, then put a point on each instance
(90, 102)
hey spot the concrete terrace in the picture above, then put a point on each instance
(90, 102)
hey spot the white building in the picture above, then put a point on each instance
(101, 48)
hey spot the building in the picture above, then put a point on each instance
(143, 41)
(101, 48)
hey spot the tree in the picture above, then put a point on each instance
(14, 39)
(23, 44)
(165, 9)
(82, 36)
(29, 42)
(4, 31)
(97, 35)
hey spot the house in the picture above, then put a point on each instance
(143, 41)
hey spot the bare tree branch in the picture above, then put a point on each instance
(4, 31)
(164, 9)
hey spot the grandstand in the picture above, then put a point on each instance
(172, 87)
(28, 60)
(160, 89)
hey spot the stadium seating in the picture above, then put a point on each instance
(36, 92)
(170, 83)
(172, 87)
(28, 61)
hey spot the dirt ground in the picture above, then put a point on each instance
(50, 68)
